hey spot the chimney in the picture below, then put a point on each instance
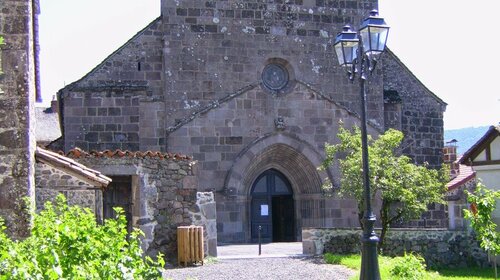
(53, 104)
(450, 157)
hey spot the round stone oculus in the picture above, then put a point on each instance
(275, 77)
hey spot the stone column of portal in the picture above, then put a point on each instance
(17, 100)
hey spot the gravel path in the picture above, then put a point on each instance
(287, 268)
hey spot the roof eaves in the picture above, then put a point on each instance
(453, 185)
(80, 171)
(465, 159)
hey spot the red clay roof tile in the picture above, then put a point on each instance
(466, 173)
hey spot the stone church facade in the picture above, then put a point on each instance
(251, 91)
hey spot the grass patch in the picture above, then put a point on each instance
(386, 264)
(467, 273)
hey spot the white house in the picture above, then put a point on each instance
(484, 157)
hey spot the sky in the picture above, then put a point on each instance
(77, 35)
(448, 44)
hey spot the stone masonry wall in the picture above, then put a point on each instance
(164, 189)
(438, 247)
(214, 48)
(457, 202)
(17, 99)
(421, 113)
(119, 100)
(50, 182)
(206, 217)
(436, 216)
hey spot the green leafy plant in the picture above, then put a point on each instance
(67, 243)
(483, 203)
(410, 267)
(406, 189)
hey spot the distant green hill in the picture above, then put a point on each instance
(466, 137)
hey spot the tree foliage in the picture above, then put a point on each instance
(483, 203)
(67, 243)
(406, 189)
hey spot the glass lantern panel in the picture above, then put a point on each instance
(261, 186)
(374, 39)
(350, 51)
(363, 33)
(340, 54)
(346, 52)
(378, 38)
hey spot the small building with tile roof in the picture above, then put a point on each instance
(456, 198)
(158, 192)
(57, 174)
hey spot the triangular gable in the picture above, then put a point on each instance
(406, 69)
(481, 152)
(75, 83)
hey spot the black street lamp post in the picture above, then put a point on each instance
(357, 53)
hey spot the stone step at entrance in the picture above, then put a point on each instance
(269, 250)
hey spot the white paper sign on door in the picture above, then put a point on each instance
(264, 210)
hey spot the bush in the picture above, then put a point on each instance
(332, 259)
(411, 267)
(67, 243)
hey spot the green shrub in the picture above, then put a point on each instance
(332, 259)
(411, 267)
(67, 243)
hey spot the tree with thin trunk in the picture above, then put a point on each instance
(482, 204)
(405, 189)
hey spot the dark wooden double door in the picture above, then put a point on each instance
(272, 208)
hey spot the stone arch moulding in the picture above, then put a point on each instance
(293, 157)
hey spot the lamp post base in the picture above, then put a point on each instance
(369, 256)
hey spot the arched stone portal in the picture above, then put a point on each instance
(296, 161)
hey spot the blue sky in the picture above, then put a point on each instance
(448, 44)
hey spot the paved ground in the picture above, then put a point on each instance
(270, 250)
(280, 261)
